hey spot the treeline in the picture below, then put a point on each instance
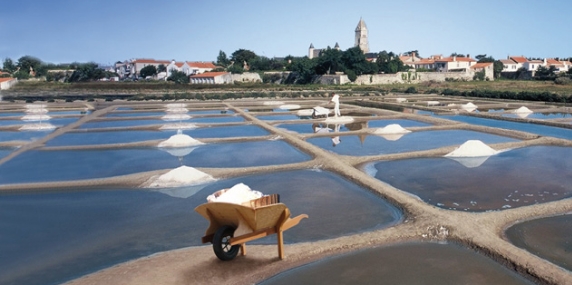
(353, 62)
(28, 67)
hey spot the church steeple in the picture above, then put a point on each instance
(361, 36)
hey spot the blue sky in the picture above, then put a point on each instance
(106, 31)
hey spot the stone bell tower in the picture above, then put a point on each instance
(361, 36)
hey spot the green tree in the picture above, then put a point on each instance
(390, 63)
(222, 60)
(28, 63)
(241, 56)
(543, 73)
(87, 72)
(161, 68)
(304, 69)
(149, 70)
(497, 67)
(354, 59)
(178, 77)
(9, 65)
(329, 62)
(235, 68)
(260, 63)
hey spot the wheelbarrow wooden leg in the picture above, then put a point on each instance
(280, 244)
(243, 249)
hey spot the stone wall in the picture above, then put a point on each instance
(246, 77)
(400, 77)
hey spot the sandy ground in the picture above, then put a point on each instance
(480, 231)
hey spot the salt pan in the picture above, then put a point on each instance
(36, 117)
(177, 110)
(273, 103)
(305, 112)
(289, 107)
(179, 126)
(176, 105)
(37, 127)
(175, 117)
(179, 140)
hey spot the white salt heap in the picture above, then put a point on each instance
(289, 107)
(392, 129)
(522, 110)
(432, 103)
(469, 107)
(321, 111)
(179, 140)
(36, 111)
(175, 117)
(181, 176)
(36, 106)
(237, 194)
(400, 100)
(472, 148)
(178, 126)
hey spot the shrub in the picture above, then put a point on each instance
(563, 80)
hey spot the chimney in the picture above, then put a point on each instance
(454, 58)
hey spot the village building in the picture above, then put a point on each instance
(361, 41)
(211, 78)
(7, 82)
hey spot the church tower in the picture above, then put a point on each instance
(361, 36)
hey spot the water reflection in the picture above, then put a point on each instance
(510, 179)
(410, 263)
(548, 238)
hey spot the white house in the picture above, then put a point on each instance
(532, 65)
(454, 63)
(136, 65)
(561, 66)
(211, 78)
(174, 65)
(7, 82)
(487, 67)
(509, 65)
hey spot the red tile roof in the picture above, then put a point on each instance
(208, 74)
(519, 59)
(200, 64)
(482, 65)
(4, 79)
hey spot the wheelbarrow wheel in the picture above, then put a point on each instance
(221, 244)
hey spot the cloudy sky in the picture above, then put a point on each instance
(106, 31)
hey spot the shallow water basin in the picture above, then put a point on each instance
(402, 122)
(60, 165)
(227, 132)
(364, 145)
(510, 179)
(548, 238)
(541, 116)
(284, 117)
(23, 135)
(55, 236)
(322, 127)
(120, 123)
(410, 263)
(5, 152)
(136, 114)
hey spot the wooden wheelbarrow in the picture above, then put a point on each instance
(232, 225)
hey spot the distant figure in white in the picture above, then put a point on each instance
(336, 100)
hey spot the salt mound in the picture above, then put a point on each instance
(320, 111)
(522, 110)
(289, 107)
(341, 119)
(432, 103)
(400, 100)
(469, 105)
(472, 148)
(392, 129)
(237, 194)
(176, 105)
(273, 103)
(175, 117)
(36, 118)
(37, 127)
(177, 110)
(178, 126)
(179, 140)
(181, 176)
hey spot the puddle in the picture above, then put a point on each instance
(63, 235)
(541, 116)
(226, 119)
(410, 263)
(510, 179)
(364, 145)
(6, 136)
(548, 238)
(12, 114)
(60, 165)
(54, 121)
(402, 122)
(525, 127)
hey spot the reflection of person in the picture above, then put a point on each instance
(336, 140)
(336, 100)
(320, 128)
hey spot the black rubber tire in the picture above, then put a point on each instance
(222, 249)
